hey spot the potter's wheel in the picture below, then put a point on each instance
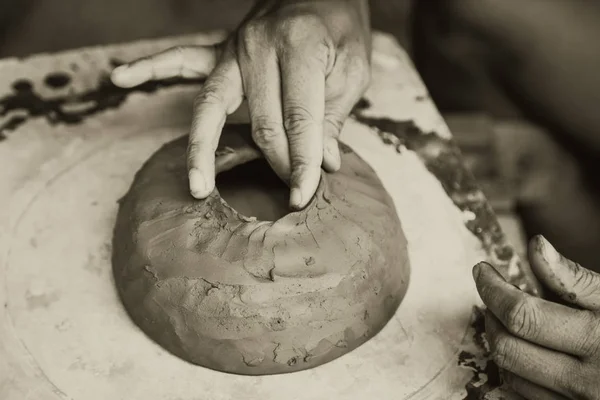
(65, 334)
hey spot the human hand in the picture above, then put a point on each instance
(547, 350)
(301, 65)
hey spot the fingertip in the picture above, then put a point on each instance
(303, 187)
(296, 200)
(479, 268)
(200, 187)
(121, 76)
(535, 244)
(117, 72)
(537, 261)
(485, 273)
(549, 253)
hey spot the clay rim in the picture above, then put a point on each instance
(239, 160)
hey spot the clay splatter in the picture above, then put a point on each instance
(486, 375)
(443, 159)
(24, 103)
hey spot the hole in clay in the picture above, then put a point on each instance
(254, 190)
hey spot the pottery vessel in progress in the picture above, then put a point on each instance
(238, 284)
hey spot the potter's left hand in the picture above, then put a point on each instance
(546, 349)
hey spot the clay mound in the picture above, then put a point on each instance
(241, 295)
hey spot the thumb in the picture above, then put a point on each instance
(570, 281)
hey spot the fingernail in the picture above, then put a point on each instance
(549, 252)
(119, 69)
(197, 183)
(478, 269)
(119, 75)
(296, 198)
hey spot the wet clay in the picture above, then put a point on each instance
(279, 293)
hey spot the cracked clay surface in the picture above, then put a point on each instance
(240, 295)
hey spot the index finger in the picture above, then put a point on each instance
(536, 320)
(221, 95)
(303, 95)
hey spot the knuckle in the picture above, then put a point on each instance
(504, 352)
(590, 338)
(579, 382)
(302, 165)
(585, 280)
(522, 319)
(179, 52)
(335, 123)
(192, 152)
(324, 53)
(304, 162)
(265, 135)
(297, 120)
(307, 33)
(299, 28)
(210, 94)
(249, 36)
(252, 28)
(193, 147)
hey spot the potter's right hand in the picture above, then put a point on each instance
(301, 65)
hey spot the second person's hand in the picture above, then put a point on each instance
(547, 348)
(301, 65)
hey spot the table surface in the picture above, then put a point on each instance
(64, 90)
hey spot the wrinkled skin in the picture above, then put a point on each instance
(548, 348)
(301, 65)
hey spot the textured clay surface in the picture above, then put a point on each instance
(237, 294)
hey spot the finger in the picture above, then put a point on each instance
(344, 86)
(550, 369)
(336, 113)
(262, 85)
(303, 116)
(220, 95)
(530, 390)
(332, 159)
(338, 106)
(534, 319)
(177, 62)
(569, 280)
